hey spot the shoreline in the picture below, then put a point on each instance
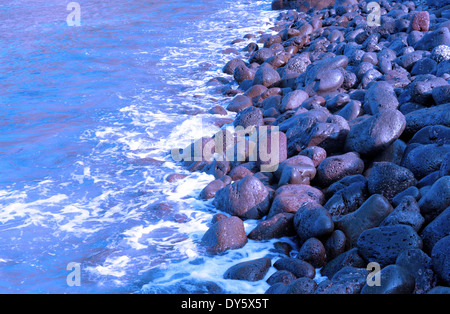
(357, 110)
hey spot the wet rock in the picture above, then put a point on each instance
(210, 190)
(280, 225)
(226, 234)
(298, 160)
(302, 285)
(266, 76)
(296, 266)
(242, 73)
(424, 66)
(297, 174)
(394, 280)
(239, 172)
(313, 221)
(418, 265)
(281, 276)
(440, 36)
(376, 133)
(349, 258)
(348, 280)
(298, 63)
(433, 134)
(406, 213)
(334, 168)
(437, 199)
(411, 191)
(389, 179)
(293, 100)
(383, 244)
(424, 159)
(173, 177)
(418, 119)
(440, 53)
(250, 116)
(239, 103)
(440, 290)
(253, 270)
(351, 110)
(232, 65)
(262, 55)
(348, 199)
(436, 230)
(421, 89)
(371, 213)
(313, 252)
(421, 21)
(335, 244)
(440, 259)
(218, 110)
(441, 94)
(247, 198)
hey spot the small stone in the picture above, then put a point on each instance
(226, 234)
(421, 21)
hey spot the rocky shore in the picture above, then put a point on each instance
(361, 115)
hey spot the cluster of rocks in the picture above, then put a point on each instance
(364, 172)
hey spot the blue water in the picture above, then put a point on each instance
(87, 116)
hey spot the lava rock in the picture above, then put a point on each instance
(389, 179)
(394, 280)
(348, 280)
(433, 134)
(247, 198)
(348, 199)
(349, 258)
(302, 285)
(418, 264)
(437, 199)
(436, 230)
(239, 103)
(371, 213)
(281, 276)
(335, 244)
(424, 159)
(266, 76)
(376, 133)
(290, 197)
(440, 258)
(313, 252)
(297, 174)
(293, 100)
(278, 226)
(383, 244)
(380, 96)
(210, 190)
(406, 213)
(313, 221)
(250, 116)
(225, 234)
(418, 119)
(440, 36)
(334, 168)
(250, 271)
(296, 266)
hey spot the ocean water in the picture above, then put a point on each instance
(88, 115)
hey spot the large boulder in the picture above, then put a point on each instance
(225, 234)
(247, 198)
(376, 133)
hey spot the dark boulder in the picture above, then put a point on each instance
(440, 258)
(247, 198)
(383, 244)
(225, 234)
(278, 226)
(334, 168)
(376, 133)
(296, 266)
(250, 271)
(393, 280)
(389, 179)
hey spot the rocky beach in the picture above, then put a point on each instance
(351, 101)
